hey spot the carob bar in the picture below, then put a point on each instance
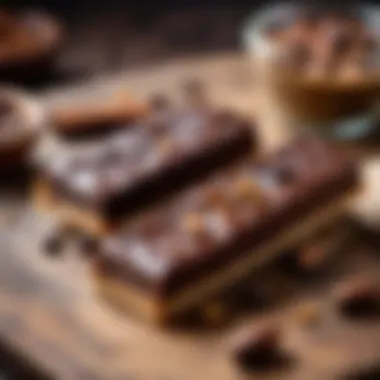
(132, 167)
(170, 258)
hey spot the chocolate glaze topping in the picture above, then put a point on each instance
(213, 223)
(163, 150)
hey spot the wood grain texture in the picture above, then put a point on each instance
(49, 311)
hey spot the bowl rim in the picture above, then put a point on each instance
(256, 44)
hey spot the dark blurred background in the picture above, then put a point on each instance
(113, 35)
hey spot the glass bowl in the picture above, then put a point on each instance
(343, 109)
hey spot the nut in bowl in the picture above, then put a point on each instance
(319, 65)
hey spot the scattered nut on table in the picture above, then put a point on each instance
(358, 297)
(258, 347)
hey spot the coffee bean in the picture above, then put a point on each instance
(360, 298)
(257, 347)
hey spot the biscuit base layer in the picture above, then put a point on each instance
(86, 220)
(129, 298)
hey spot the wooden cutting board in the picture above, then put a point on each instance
(49, 312)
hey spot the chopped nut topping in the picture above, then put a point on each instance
(215, 197)
(308, 314)
(194, 223)
(245, 188)
(166, 146)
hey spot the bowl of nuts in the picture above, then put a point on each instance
(319, 64)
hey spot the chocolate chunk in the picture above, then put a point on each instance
(358, 298)
(258, 348)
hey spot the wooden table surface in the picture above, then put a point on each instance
(49, 311)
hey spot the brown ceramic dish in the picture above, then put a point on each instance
(28, 42)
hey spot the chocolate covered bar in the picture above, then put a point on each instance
(172, 258)
(169, 149)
